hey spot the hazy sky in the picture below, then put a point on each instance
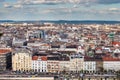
(60, 10)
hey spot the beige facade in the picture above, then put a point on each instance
(99, 65)
(64, 66)
(53, 66)
(21, 60)
(76, 63)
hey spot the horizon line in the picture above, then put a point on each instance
(60, 20)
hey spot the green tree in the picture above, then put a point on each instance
(1, 34)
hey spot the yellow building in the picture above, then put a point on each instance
(21, 60)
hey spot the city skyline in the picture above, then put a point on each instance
(60, 10)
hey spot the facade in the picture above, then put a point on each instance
(37, 34)
(76, 62)
(4, 57)
(18, 42)
(39, 64)
(21, 60)
(42, 46)
(64, 47)
(64, 66)
(80, 49)
(89, 66)
(53, 66)
(111, 64)
(99, 65)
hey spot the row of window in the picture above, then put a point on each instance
(38, 70)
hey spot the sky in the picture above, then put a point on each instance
(60, 10)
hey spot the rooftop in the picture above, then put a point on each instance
(43, 58)
(4, 51)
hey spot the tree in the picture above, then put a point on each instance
(118, 76)
(105, 71)
(1, 34)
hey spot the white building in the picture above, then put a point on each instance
(39, 63)
(89, 65)
(111, 64)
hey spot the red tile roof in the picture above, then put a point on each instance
(98, 48)
(110, 59)
(35, 58)
(4, 51)
(115, 43)
(43, 58)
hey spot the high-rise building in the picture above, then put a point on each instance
(38, 34)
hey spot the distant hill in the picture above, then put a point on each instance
(83, 22)
(63, 21)
(3, 21)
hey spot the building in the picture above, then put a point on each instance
(64, 66)
(37, 34)
(62, 46)
(53, 64)
(41, 46)
(21, 60)
(98, 58)
(76, 62)
(80, 49)
(5, 59)
(89, 65)
(110, 63)
(116, 53)
(64, 63)
(99, 65)
(39, 64)
(18, 42)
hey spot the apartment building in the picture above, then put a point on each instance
(21, 60)
(89, 64)
(39, 64)
(76, 62)
(5, 59)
